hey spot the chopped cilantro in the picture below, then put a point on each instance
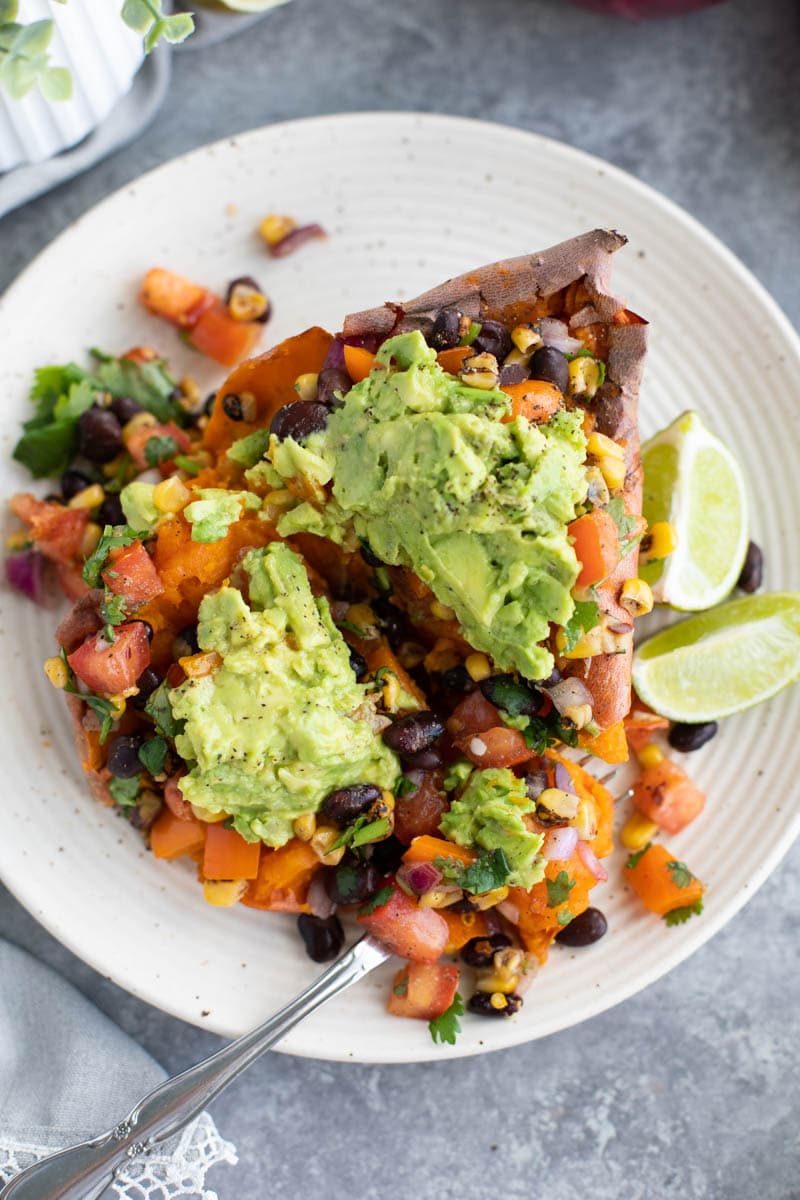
(124, 791)
(160, 449)
(473, 331)
(148, 383)
(105, 710)
(681, 875)
(585, 616)
(401, 987)
(158, 707)
(113, 612)
(447, 1027)
(152, 754)
(511, 695)
(489, 871)
(541, 733)
(679, 916)
(113, 537)
(189, 465)
(627, 525)
(634, 859)
(361, 832)
(405, 786)
(558, 889)
(564, 917)
(377, 901)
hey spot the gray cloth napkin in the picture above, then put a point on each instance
(127, 120)
(67, 1072)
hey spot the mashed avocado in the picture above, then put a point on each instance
(488, 816)
(283, 721)
(427, 473)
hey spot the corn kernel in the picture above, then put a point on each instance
(118, 703)
(362, 616)
(480, 371)
(91, 536)
(597, 492)
(509, 960)
(304, 827)
(439, 898)
(323, 837)
(210, 818)
(171, 495)
(556, 800)
(441, 611)
(110, 469)
(195, 666)
(90, 497)
(526, 338)
(600, 446)
(650, 755)
(660, 540)
(223, 893)
(585, 820)
(274, 228)
(498, 1001)
(614, 472)
(56, 671)
(306, 385)
(584, 377)
(579, 714)
(489, 899)
(636, 597)
(19, 540)
(478, 667)
(637, 832)
(190, 390)
(497, 982)
(140, 420)
(516, 357)
(390, 691)
(586, 647)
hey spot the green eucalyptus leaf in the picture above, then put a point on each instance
(8, 11)
(34, 38)
(137, 15)
(178, 27)
(55, 83)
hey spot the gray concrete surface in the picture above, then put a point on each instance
(689, 1090)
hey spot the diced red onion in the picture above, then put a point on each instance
(568, 693)
(622, 627)
(592, 862)
(335, 356)
(25, 573)
(319, 901)
(560, 843)
(295, 239)
(555, 333)
(527, 976)
(563, 780)
(421, 877)
(478, 747)
(513, 373)
(509, 910)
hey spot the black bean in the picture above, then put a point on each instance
(551, 365)
(513, 695)
(387, 855)
(413, 733)
(457, 679)
(300, 419)
(390, 617)
(494, 339)
(72, 482)
(424, 760)
(123, 408)
(208, 404)
(111, 511)
(369, 556)
(481, 1004)
(99, 435)
(513, 373)
(330, 381)
(753, 570)
(352, 882)
(446, 330)
(691, 737)
(323, 936)
(232, 406)
(358, 663)
(345, 804)
(145, 811)
(123, 756)
(479, 951)
(553, 678)
(589, 926)
(147, 683)
(148, 628)
(535, 783)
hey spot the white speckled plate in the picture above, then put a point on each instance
(406, 205)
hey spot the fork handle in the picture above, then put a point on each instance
(82, 1170)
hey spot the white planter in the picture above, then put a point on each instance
(103, 56)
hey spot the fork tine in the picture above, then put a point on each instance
(583, 761)
(604, 779)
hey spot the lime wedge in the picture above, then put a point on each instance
(693, 480)
(723, 661)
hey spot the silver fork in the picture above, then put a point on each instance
(85, 1170)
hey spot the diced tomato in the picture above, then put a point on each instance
(137, 438)
(132, 574)
(172, 838)
(112, 668)
(55, 530)
(596, 544)
(421, 811)
(228, 856)
(498, 747)
(176, 299)
(419, 934)
(222, 338)
(173, 798)
(473, 715)
(666, 794)
(423, 990)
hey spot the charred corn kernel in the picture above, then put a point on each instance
(526, 338)
(650, 755)
(480, 371)
(304, 827)
(579, 715)
(637, 832)
(90, 497)
(210, 818)
(223, 893)
(362, 616)
(517, 357)
(247, 302)
(561, 803)
(584, 377)
(440, 897)
(390, 691)
(478, 667)
(586, 647)
(118, 703)
(441, 611)
(140, 420)
(190, 390)
(496, 982)
(195, 666)
(636, 597)
(56, 671)
(321, 840)
(306, 385)
(489, 899)
(510, 960)
(19, 540)
(613, 471)
(383, 809)
(171, 495)
(598, 445)
(585, 820)
(660, 540)
(498, 1001)
(91, 536)
(597, 492)
(274, 228)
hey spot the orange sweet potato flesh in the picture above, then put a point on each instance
(656, 878)
(283, 878)
(665, 794)
(610, 744)
(173, 837)
(381, 655)
(228, 856)
(538, 923)
(359, 362)
(589, 788)
(427, 848)
(535, 399)
(270, 379)
(462, 928)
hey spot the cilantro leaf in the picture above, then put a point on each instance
(124, 791)
(152, 754)
(585, 616)
(158, 707)
(679, 916)
(377, 901)
(447, 1027)
(361, 832)
(160, 449)
(489, 871)
(148, 383)
(634, 859)
(113, 537)
(105, 710)
(511, 695)
(558, 889)
(113, 612)
(627, 526)
(48, 449)
(681, 875)
(564, 917)
(541, 733)
(401, 987)
(469, 337)
(186, 464)
(405, 787)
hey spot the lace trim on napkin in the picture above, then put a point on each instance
(178, 1170)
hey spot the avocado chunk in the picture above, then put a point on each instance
(283, 721)
(488, 816)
